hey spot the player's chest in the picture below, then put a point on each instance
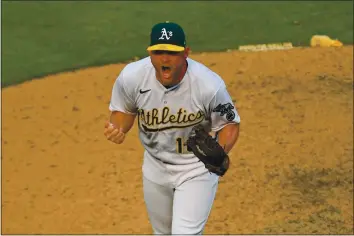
(164, 109)
(182, 97)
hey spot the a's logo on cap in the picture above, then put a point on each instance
(164, 34)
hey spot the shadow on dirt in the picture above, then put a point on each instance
(305, 191)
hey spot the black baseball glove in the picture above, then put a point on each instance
(208, 150)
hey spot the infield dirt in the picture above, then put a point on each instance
(291, 170)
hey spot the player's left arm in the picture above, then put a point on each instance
(227, 136)
(225, 119)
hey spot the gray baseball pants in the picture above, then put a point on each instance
(182, 209)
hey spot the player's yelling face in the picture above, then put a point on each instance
(169, 66)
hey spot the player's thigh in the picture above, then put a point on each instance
(192, 204)
(159, 203)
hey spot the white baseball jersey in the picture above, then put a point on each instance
(166, 116)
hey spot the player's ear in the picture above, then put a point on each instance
(186, 52)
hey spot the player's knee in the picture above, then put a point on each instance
(162, 227)
(188, 228)
(158, 232)
(184, 231)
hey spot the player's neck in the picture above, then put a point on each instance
(184, 70)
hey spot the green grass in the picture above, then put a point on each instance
(40, 38)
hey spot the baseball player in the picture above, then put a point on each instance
(179, 103)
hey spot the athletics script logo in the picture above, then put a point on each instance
(162, 119)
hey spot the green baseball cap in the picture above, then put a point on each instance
(167, 36)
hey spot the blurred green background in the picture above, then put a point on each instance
(45, 37)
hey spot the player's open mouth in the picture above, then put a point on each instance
(166, 71)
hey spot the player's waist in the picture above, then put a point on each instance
(168, 158)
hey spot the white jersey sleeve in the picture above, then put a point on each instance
(222, 109)
(121, 99)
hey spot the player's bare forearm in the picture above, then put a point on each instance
(228, 136)
(122, 120)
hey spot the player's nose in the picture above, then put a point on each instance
(165, 57)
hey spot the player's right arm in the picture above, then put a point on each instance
(120, 123)
(123, 112)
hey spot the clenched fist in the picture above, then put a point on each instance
(114, 134)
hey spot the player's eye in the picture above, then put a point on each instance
(160, 52)
(172, 53)
(157, 52)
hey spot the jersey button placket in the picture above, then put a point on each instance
(164, 98)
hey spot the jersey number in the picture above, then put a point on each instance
(180, 147)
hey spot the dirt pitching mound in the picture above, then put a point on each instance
(291, 171)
